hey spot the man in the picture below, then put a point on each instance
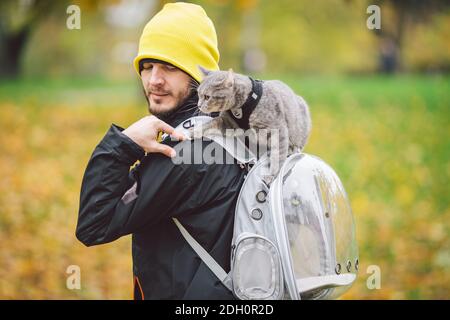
(115, 201)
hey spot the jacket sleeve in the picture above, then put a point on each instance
(106, 179)
(115, 201)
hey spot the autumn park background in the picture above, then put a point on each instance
(379, 101)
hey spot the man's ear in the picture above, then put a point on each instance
(204, 71)
(229, 81)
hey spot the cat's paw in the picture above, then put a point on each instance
(294, 149)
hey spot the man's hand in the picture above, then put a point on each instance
(144, 132)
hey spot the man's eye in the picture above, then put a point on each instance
(147, 66)
(171, 68)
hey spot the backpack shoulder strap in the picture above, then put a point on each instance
(237, 149)
(205, 256)
(235, 146)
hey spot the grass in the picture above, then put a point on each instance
(386, 137)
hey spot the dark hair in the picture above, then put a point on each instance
(142, 61)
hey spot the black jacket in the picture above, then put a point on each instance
(116, 201)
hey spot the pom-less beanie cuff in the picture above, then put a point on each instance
(182, 35)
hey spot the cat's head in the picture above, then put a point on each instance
(216, 91)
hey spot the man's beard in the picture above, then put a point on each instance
(164, 114)
(187, 102)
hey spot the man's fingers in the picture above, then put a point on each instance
(170, 130)
(164, 149)
(179, 135)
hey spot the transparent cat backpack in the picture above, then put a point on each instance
(294, 240)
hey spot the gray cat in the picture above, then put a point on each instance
(249, 104)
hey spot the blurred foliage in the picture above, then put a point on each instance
(327, 37)
(18, 21)
(386, 137)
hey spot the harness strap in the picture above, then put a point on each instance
(242, 114)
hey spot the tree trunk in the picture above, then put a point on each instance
(13, 46)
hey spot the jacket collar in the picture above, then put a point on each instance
(187, 110)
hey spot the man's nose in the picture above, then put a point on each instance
(157, 76)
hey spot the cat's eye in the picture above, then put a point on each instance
(206, 97)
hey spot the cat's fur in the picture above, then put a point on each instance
(279, 108)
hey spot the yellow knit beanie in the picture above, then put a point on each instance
(182, 35)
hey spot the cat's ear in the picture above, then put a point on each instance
(204, 71)
(229, 81)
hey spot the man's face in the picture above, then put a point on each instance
(165, 86)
